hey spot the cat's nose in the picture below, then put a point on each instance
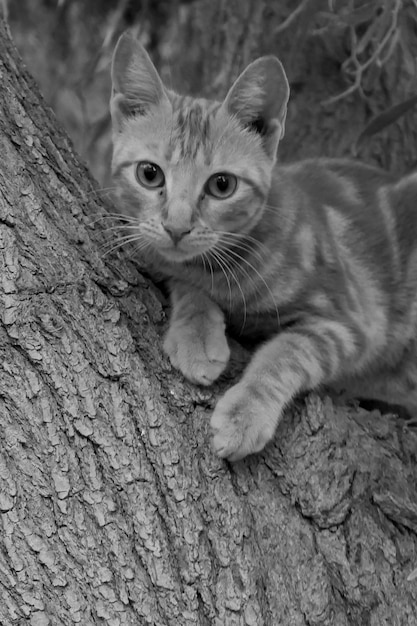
(176, 232)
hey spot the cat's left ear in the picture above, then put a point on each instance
(259, 97)
(136, 85)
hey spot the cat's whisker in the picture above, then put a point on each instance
(230, 266)
(205, 260)
(143, 245)
(107, 250)
(118, 216)
(123, 235)
(222, 267)
(272, 209)
(239, 268)
(221, 256)
(98, 219)
(239, 258)
(101, 193)
(112, 216)
(212, 275)
(243, 246)
(119, 243)
(245, 238)
(122, 227)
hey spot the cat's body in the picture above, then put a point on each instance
(318, 258)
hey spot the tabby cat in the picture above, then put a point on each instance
(316, 258)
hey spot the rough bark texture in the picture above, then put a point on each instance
(112, 507)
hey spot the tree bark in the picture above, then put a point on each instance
(113, 508)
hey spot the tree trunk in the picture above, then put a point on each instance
(113, 508)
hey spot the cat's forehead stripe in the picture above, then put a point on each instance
(191, 128)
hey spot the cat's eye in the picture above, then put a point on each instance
(221, 185)
(150, 175)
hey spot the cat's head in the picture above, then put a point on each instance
(191, 173)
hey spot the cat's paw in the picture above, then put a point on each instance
(200, 353)
(243, 422)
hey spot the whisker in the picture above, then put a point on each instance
(240, 258)
(272, 209)
(230, 269)
(220, 263)
(247, 239)
(119, 216)
(122, 227)
(119, 243)
(235, 263)
(205, 258)
(112, 216)
(122, 237)
(242, 246)
(143, 245)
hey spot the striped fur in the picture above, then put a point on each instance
(317, 258)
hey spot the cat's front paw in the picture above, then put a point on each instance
(243, 422)
(200, 353)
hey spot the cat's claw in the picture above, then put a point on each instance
(242, 423)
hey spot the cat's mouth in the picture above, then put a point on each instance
(187, 249)
(178, 255)
(178, 247)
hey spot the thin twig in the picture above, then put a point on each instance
(292, 16)
(390, 38)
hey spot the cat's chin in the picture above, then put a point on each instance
(178, 256)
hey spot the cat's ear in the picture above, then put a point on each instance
(136, 85)
(259, 97)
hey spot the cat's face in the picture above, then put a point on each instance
(191, 174)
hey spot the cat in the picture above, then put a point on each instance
(316, 259)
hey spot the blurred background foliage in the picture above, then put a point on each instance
(351, 65)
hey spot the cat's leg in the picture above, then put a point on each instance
(196, 341)
(302, 358)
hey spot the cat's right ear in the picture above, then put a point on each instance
(136, 85)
